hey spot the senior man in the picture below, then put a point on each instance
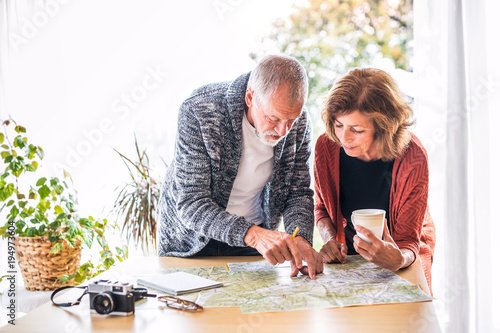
(241, 166)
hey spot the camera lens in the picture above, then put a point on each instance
(103, 303)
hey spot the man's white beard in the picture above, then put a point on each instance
(268, 142)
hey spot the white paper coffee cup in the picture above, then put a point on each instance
(371, 219)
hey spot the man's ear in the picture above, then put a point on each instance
(249, 97)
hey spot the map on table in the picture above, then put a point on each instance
(261, 287)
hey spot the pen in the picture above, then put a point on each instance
(295, 232)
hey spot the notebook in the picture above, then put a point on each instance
(178, 283)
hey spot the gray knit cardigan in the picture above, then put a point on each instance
(206, 159)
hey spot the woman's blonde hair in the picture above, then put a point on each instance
(375, 94)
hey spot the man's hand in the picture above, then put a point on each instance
(332, 251)
(275, 246)
(310, 256)
(384, 253)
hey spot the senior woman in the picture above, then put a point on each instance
(369, 159)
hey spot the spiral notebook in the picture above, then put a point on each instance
(178, 283)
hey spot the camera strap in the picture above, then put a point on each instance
(139, 293)
(69, 303)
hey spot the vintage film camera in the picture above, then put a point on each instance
(112, 297)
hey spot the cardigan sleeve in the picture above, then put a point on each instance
(320, 210)
(299, 203)
(192, 188)
(409, 198)
(326, 184)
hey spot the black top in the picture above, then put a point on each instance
(363, 185)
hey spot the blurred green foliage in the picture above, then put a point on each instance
(330, 37)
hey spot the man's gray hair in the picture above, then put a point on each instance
(273, 71)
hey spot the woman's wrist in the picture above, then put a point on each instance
(326, 229)
(407, 258)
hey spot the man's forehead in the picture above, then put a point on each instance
(283, 111)
(284, 116)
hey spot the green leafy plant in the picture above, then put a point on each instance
(40, 206)
(136, 203)
(107, 258)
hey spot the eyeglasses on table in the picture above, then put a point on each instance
(180, 304)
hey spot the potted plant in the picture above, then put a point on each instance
(42, 224)
(136, 202)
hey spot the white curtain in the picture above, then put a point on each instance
(456, 226)
(456, 52)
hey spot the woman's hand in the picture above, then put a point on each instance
(332, 251)
(384, 253)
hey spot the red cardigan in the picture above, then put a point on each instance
(411, 225)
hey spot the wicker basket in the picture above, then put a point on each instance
(39, 268)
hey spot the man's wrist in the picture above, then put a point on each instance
(250, 236)
(302, 239)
